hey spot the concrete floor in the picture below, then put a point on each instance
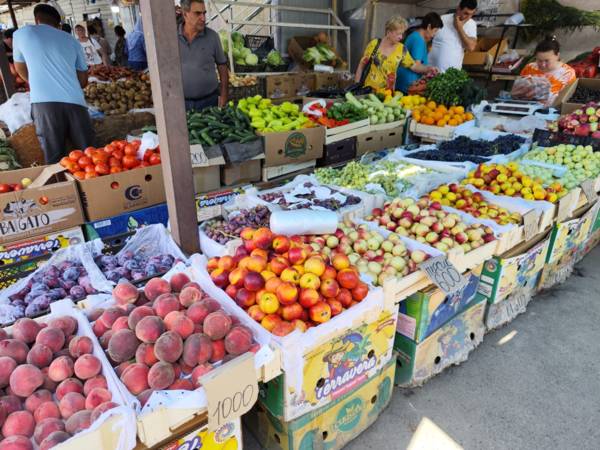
(538, 390)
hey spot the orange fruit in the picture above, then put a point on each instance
(441, 123)
(431, 105)
(428, 120)
(459, 109)
(452, 123)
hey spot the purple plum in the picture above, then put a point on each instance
(72, 273)
(77, 293)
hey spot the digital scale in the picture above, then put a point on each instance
(515, 107)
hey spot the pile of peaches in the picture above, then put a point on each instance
(286, 284)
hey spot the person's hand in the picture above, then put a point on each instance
(458, 24)
(433, 70)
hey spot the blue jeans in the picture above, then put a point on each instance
(199, 105)
(138, 65)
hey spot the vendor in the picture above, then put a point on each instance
(416, 45)
(547, 65)
(54, 64)
(458, 34)
(382, 57)
(202, 57)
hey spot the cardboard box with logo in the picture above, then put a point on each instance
(206, 167)
(291, 147)
(280, 86)
(49, 204)
(304, 82)
(115, 194)
(484, 53)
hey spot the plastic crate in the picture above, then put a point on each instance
(11, 273)
(240, 92)
(260, 45)
(282, 68)
(242, 68)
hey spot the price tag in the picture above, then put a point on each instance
(199, 158)
(530, 224)
(587, 187)
(231, 390)
(443, 274)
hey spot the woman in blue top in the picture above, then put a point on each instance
(416, 44)
(136, 48)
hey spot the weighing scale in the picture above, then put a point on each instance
(515, 107)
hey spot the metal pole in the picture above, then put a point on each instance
(13, 17)
(7, 77)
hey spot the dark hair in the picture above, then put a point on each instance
(47, 14)
(66, 28)
(79, 27)
(9, 33)
(92, 28)
(469, 4)
(120, 31)
(432, 19)
(186, 5)
(549, 44)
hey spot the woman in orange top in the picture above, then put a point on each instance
(549, 66)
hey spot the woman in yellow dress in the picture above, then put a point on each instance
(385, 55)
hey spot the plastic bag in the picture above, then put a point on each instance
(149, 142)
(16, 112)
(531, 88)
(509, 56)
(303, 221)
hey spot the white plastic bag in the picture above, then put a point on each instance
(531, 88)
(149, 142)
(303, 221)
(16, 112)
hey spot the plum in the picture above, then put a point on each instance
(72, 273)
(77, 293)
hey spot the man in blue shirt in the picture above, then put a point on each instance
(54, 64)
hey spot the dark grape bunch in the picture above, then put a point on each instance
(223, 231)
(464, 148)
(331, 204)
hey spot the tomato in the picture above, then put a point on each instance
(91, 174)
(145, 164)
(118, 154)
(17, 187)
(130, 150)
(129, 162)
(75, 155)
(136, 144)
(64, 161)
(110, 148)
(90, 168)
(100, 157)
(102, 169)
(154, 159)
(4, 188)
(157, 149)
(84, 161)
(89, 151)
(79, 175)
(116, 169)
(147, 155)
(114, 162)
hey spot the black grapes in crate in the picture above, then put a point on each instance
(585, 95)
(464, 148)
(223, 231)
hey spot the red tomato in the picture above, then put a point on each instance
(116, 169)
(144, 164)
(157, 149)
(89, 151)
(136, 144)
(75, 155)
(102, 169)
(154, 159)
(91, 174)
(118, 154)
(110, 148)
(114, 162)
(100, 157)
(147, 155)
(129, 162)
(90, 168)
(130, 150)
(4, 188)
(80, 175)
(84, 161)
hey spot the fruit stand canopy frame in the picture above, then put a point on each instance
(230, 22)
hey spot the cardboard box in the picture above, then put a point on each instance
(327, 81)
(209, 205)
(304, 83)
(570, 233)
(18, 259)
(499, 314)
(246, 172)
(566, 106)
(501, 275)
(114, 194)
(426, 311)
(330, 427)
(291, 147)
(296, 47)
(280, 86)
(48, 204)
(485, 51)
(369, 142)
(338, 152)
(126, 223)
(206, 167)
(448, 346)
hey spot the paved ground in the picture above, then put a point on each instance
(538, 390)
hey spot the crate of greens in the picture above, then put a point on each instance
(214, 125)
(342, 120)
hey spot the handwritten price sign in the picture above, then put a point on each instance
(443, 274)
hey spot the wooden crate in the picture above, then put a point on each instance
(346, 131)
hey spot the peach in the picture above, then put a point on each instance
(79, 421)
(161, 375)
(290, 275)
(330, 288)
(70, 404)
(236, 277)
(282, 328)
(46, 427)
(149, 329)
(197, 312)
(105, 339)
(54, 338)
(218, 351)
(67, 324)
(138, 314)
(109, 316)
(340, 261)
(99, 328)
(25, 330)
(256, 313)
(297, 255)
(335, 306)
(60, 369)
(68, 385)
(164, 304)
(19, 423)
(95, 314)
(226, 263)
(7, 365)
(238, 341)
(120, 369)
(156, 287)
(36, 399)
(145, 355)
(216, 325)
(253, 281)
(179, 323)
(256, 264)
(46, 410)
(101, 409)
(87, 366)
(16, 443)
(245, 298)
(80, 345)
(189, 295)
(270, 321)
(308, 298)
(345, 297)
(14, 349)
(96, 397)
(321, 312)
(25, 379)
(292, 312)
(197, 349)
(211, 304)
(11, 403)
(198, 372)
(347, 278)
(309, 281)
(95, 382)
(360, 291)
(287, 293)
(125, 293)
(278, 265)
(122, 346)
(53, 439)
(194, 285)
(182, 385)
(143, 397)
(281, 244)
(120, 324)
(330, 273)
(315, 265)
(135, 378)
(220, 277)
(178, 281)
(268, 303)
(168, 347)
(298, 325)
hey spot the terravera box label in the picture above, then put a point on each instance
(39, 209)
(291, 147)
